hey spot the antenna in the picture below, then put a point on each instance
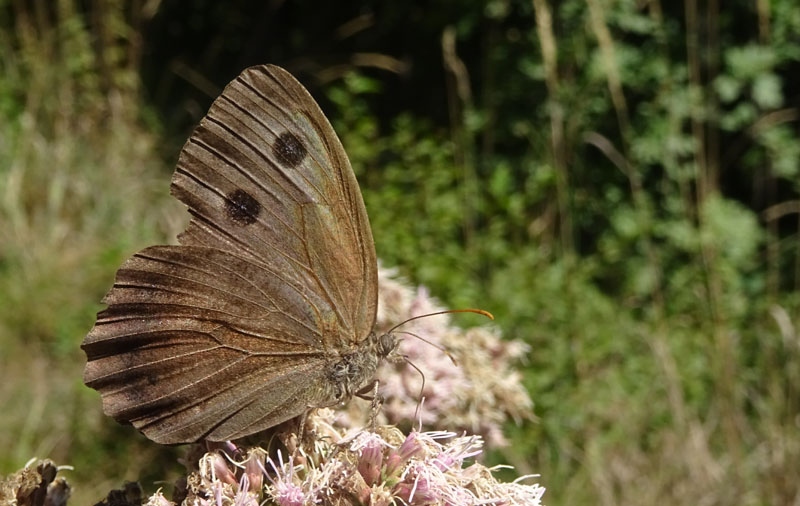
(421, 389)
(478, 311)
(435, 345)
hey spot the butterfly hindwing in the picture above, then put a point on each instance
(191, 338)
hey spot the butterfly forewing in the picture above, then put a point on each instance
(264, 175)
(229, 333)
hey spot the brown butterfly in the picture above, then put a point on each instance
(266, 308)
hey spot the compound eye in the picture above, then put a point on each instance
(386, 344)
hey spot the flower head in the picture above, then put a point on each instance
(369, 449)
(284, 490)
(378, 468)
(478, 395)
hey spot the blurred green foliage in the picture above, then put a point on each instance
(616, 180)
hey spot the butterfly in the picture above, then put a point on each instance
(266, 308)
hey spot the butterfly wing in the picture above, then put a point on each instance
(265, 176)
(230, 332)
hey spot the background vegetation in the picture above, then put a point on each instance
(617, 180)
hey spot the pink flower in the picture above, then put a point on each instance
(252, 470)
(289, 494)
(370, 457)
(284, 490)
(422, 484)
(221, 470)
(455, 453)
(411, 447)
(378, 468)
(158, 499)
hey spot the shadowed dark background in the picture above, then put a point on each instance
(617, 181)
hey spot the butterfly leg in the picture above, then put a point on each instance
(292, 437)
(376, 402)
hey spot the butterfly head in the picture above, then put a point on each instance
(385, 344)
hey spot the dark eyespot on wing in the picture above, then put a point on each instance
(242, 208)
(289, 149)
